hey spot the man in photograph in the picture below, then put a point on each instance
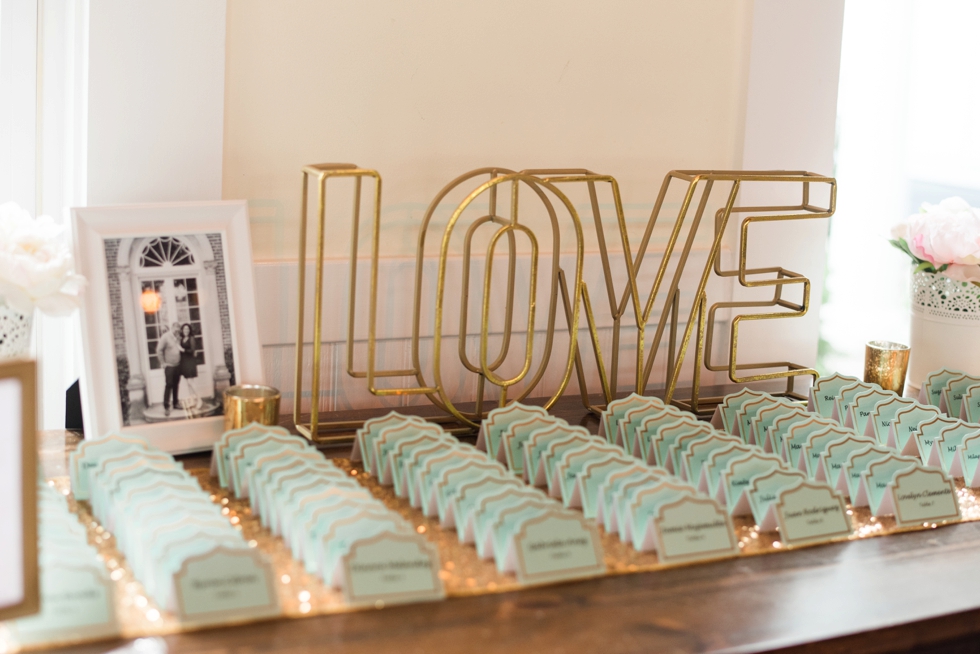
(168, 351)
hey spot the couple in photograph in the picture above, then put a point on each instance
(176, 351)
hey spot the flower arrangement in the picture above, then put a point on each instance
(36, 265)
(943, 238)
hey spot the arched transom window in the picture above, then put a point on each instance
(165, 251)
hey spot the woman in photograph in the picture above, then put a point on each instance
(188, 362)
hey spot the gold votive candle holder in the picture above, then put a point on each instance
(248, 403)
(885, 364)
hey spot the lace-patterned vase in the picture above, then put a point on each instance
(15, 332)
(945, 327)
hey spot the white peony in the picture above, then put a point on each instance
(945, 234)
(36, 265)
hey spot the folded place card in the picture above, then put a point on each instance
(951, 400)
(882, 416)
(905, 426)
(393, 468)
(737, 477)
(716, 463)
(931, 391)
(364, 437)
(427, 470)
(565, 475)
(632, 419)
(511, 450)
(345, 533)
(487, 508)
(969, 456)
(225, 584)
(797, 435)
(862, 405)
(611, 491)
(749, 410)
(693, 528)
(824, 393)
(659, 441)
(970, 406)
(649, 429)
(762, 424)
(592, 475)
(555, 546)
(641, 506)
(922, 495)
(849, 481)
(388, 438)
(537, 442)
(835, 455)
(501, 418)
(810, 512)
(91, 452)
(617, 409)
(552, 452)
(681, 444)
(764, 491)
(468, 497)
(946, 448)
(876, 478)
(846, 395)
(725, 414)
(697, 451)
(505, 523)
(782, 424)
(816, 444)
(452, 477)
(220, 450)
(928, 431)
(391, 568)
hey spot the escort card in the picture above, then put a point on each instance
(617, 409)
(370, 429)
(849, 481)
(882, 416)
(698, 450)
(863, 405)
(511, 449)
(970, 407)
(905, 426)
(715, 464)
(951, 398)
(593, 475)
(922, 495)
(725, 414)
(610, 491)
(927, 433)
(680, 446)
(764, 491)
(633, 419)
(659, 441)
(572, 462)
(91, 452)
(737, 477)
(500, 419)
(555, 546)
(796, 437)
(811, 457)
(219, 456)
(946, 448)
(693, 529)
(846, 395)
(810, 512)
(650, 428)
(824, 394)
(225, 584)
(537, 442)
(932, 386)
(762, 423)
(969, 455)
(391, 568)
(640, 508)
(743, 417)
(876, 478)
(782, 424)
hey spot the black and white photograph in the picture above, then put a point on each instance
(171, 327)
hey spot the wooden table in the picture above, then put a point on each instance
(917, 591)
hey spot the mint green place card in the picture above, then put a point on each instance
(927, 433)
(931, 392)
(762, 423)
(498, 420)
(816, 444)
(876, 478)
(537, 443)
(511, 450)
(592, 475)
(698, 450)
(467, 498)
(572, 462)
(677, 449)
(764, 491)
(725, 414)
(225, 584)
(649, 431)
(306, 543)
(716, 463)
(824, 393)
(748, 411)
(863, 404)
(447, 488)
(693, 528)
(553, 452)
(617, 409)
(857, 462)
(392, 466)
(611, 490)
(969, 456)
(883, 414)
(221, 449)
(811, 512)
(923, 495)
(555, 546)
(905, 426)
(846, 395)
(91, 452)
(782, 424)
(77, 602)
(951, 400)
(737, 477)
(391, 568)
(796, 438)
(835, 455)
(641, 508)
(389, 438)
(364, 438)
(945, 448)
(342, 535)
(659, 444)
(427, 467)
(488, 507)
(970, 406)
(632, 419)
(332, 502)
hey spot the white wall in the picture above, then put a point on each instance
(156, 100)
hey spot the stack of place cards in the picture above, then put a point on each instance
(190, 559)
(76, 592)
(331, 523)
(482, 497)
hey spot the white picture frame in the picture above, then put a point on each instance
(166, 262)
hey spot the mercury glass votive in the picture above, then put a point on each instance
(885, 364)
(248, 403)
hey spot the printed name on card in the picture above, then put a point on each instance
(811, 512)
(391, 568)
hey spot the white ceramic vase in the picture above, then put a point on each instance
(945, 327)
(15, 332)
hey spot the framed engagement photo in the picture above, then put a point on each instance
(168, 318)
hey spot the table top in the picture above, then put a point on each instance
(917, 591)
